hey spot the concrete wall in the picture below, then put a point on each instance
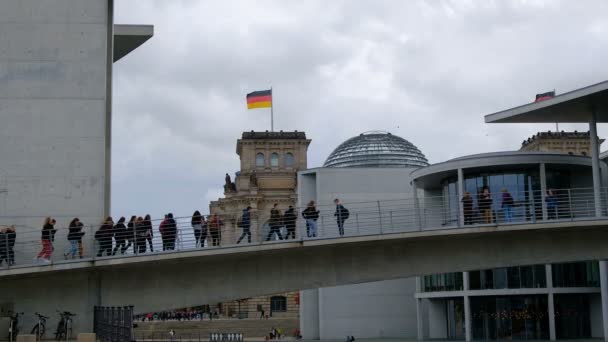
(53, 111)
(372, 310)
(309, 314)
(437, 319)
(595, 314)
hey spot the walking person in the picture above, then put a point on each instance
(214, 225)
(197, 226)
(485, 204)
(120, 236)
(48, 230)
(150, 232)
(163, 232)
(130, 234)
(170, 232)
(3, 246)
(245, 224)
(11, 236)
(507, 205)
(141, 235)
(104, 237)
(341, 215)
(204, 232)
(74, 235)
(289, 219)
(311, 215)
(467, 208)
(275, 222)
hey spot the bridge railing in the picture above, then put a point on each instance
(364, 218)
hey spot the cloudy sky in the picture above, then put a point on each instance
(424, 70)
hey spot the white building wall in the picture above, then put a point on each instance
(437, 319)
(53, 71)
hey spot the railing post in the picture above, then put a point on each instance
(380, 217)
(570, 204)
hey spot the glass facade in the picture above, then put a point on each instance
(510, 318)
(572, 316)
(376, 149)
(509, 278)
(443, 282)
(576, 274)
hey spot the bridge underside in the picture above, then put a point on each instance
(161, 282)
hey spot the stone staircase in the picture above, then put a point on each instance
(193, 330)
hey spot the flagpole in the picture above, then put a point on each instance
(271, 113)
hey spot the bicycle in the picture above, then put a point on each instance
(40, 328)
(64, 327)
(13, 327)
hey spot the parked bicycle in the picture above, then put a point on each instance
(13, 326)
(40, 328)
(64, 327)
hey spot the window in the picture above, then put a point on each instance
(289, 160)
(278, 304)
(260, 160)
(274, 160)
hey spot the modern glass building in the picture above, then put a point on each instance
(376, 149)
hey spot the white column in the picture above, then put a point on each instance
(543, 189)
(604, 291)
(595, 164)
(420, 331)
(460, 194)
(467, 308)
(550, 303)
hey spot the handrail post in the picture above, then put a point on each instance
(570, 205)
(380, 217)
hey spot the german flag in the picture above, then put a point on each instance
(259, 99)
(545, 96)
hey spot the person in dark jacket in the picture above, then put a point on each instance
(130, 234)
(163, 234)
(289, 219)
(197, 226)
(275, 222)
(311, 215)
(104, 237)
(484, 202)
(11, 236)
(142, 235)
(3, 246)
(507, 204)
(120, 236)
(341, 215)
(467, 207)
(48, 232)
(214, 225)
(245, 225)
(74, 235)
(170, 232)
(150, 231)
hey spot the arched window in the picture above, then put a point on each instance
(278, 304)
(289, 160)
(260, 160)
(274, 160)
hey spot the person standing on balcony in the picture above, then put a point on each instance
(485, 204)
(311, 215)
(12, 238)
(48, 231)
(3, 246)
(197, 226)
(245, 224)
(275, 222)
(104, 237)
(120, 236)
(142, 235)
(214, 224)
(130, 234)
(507, 205)
(149, 231)
(74, 233)
(289, 219)
(341, 215)
(467, 207)
(551, 200)
(171, 231)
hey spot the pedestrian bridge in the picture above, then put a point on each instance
(193, 276)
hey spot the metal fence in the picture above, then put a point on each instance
(364, 218)
(113, 324)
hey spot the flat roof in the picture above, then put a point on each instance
(129, 37)
(574, 106)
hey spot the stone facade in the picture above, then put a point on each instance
(270, 162)
(574, 143)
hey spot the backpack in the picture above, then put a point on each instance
(345, 213)
(239, 221)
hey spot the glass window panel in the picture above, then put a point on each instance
(259, 160)
(289, 160)
(274, 160)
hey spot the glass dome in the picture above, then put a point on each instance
(376, 149)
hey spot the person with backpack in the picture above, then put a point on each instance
(275, 223)
(104, 237)
(341, 215)
(142, 235)
(245, 224)
(149, 231)
(75, 233)
(130, 235)
(12, 238)
(289, 219)
(120, 236)
(170, 231)
(163, 232)
(48, 231)
(507, 204)
(311, 215)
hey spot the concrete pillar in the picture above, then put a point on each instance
(468, 334)
(543, 189)
(595, 164)
(309, 314)
(419, 327)
(550, 302)
(460, 194)
(416, 206)
(604, 291)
